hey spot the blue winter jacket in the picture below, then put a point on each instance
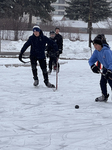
(37, 44)
(104, 57)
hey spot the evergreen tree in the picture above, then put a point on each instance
(5, 6)
(79, 9)
(15, 8)
(39, 8)
(11, 8)
(90, 11)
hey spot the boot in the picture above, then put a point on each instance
(102, 98)
(49, 85)
(36, 81)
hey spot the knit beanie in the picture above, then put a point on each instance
(36, 28)
(97, 41)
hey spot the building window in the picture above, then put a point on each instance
(60, 1)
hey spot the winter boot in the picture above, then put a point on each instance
(102, 98)
(49, 85)
(36, 81)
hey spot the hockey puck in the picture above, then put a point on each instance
(76, 106)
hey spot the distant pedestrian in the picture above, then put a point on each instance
(59, 39)
(37, 41)
(52, 54)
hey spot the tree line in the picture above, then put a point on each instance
(90, 11)
(14, 9)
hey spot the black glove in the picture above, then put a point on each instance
(20, 56)
(95, 69)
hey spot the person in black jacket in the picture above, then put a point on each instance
(37, 53)
(59, 39)
(52, 54)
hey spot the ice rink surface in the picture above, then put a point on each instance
(37, 118)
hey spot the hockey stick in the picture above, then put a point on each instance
(105, 75)
(25, 57)
(57, 74)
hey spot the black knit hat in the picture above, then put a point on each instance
(102, 37)
(97, 41)
(52, 32)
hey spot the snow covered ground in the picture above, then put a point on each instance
(79, 23)
(71, 49)
(37, 118)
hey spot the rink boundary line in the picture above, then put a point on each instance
(62, 58)
(23, 65)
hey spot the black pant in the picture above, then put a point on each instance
(53, 61)
(103, 83)
(43, 66)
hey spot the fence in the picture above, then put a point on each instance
(67, 32)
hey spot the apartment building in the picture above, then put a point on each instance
(59, 7)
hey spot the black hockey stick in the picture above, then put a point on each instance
(105, 75)
(25, 57)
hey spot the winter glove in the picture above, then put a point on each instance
(95, 69)
(108, 74)
(20, 56)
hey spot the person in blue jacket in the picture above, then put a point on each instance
(37, 43)
(103, 54)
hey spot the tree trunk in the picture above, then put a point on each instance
(0, 41)
(15, 35)
(90, 24)
(30, 21)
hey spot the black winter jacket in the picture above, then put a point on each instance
(51, 51)
(59, 41)
(38, 45)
